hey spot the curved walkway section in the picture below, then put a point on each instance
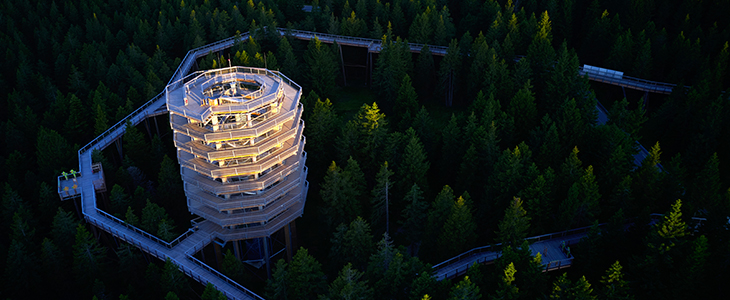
(553, 247)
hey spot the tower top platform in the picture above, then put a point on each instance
(223, 91)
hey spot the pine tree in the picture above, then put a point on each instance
(506, 289)
(211, 293)
(101, 122)
(135, 145)
(539, 195)
(524, 111)
(152, 214)
(541, 53)
(89, 258)
(277, 287)
(322, 67)
(437, 215)
(321, 128)
(233, 267)
(582, 204)
(670, 230)
(459, 231)
(406, 103)
(340, 197)
(349, 285)
(352, 244)
(130, 217)
(414, 216)
(513, 227)
(20, 269)
(63, 229)
(172, 279)
(372, 128)
(118, 198)
(306, 278)
(415, 164)
(465, 290)
(165, 230)
(615, 286)
(353, 26)
(381, 200)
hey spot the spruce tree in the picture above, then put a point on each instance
(459, 231)
(513, 227)
(381, 199)
(414, 216)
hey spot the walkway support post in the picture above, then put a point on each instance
(342, 61)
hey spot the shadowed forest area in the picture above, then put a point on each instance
(493, 142)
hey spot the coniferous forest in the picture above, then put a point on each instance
(493, 142)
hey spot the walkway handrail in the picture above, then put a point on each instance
(132, 117)
(189, 253)
(160, 241)
(365, 42)
(482, 249)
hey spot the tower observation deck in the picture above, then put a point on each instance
(238, 134)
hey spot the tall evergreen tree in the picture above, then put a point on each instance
(414, 216)
(513, 227)
(615, 286)
(89, 258)
(381, 199)
(465, 290)
(541, 53)
(305, 276)
(415, 164)
(352, 244)
(506, 288)
(321, 129)
(406, 103)
(459, 231)
(582, 204)
(322, 67)
(349, 285)
(340, 197)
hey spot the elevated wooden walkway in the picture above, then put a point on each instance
(550, 246)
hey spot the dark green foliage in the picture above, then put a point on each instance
(352, 244)
(172, 279)
(381, 199)
(63, 229)
(233, 267)
(466, 290)
(414, 215)
(322, 67)
(349, 285)
(615, 287)
(119, 199)
(415, 163)
(88, 257)
(340, 194)
(305, 277)
(321, 127)
(211, 293)
(20, 268)
(582, 204)
(513, 227)
(459, 230)
(406, 103)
